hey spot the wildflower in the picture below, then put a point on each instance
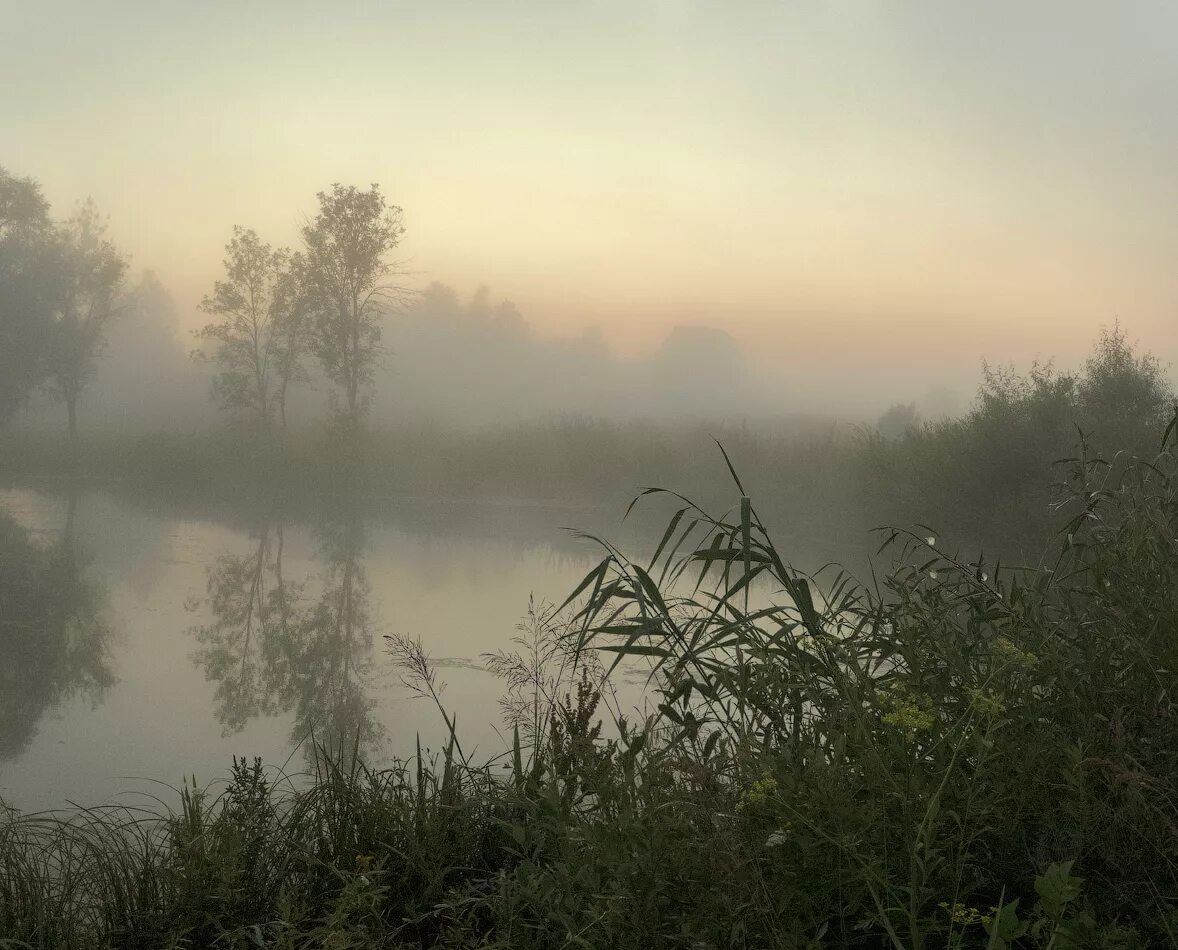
(778, 837)
(931, 541)
(1009, 654)
(963, 916)
(759, 792)
(907, 710)
(987, 703)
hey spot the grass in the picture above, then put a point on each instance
(956, 753)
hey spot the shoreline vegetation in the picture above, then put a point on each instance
(964, 751)
(984, 478)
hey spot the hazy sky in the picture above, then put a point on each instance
(954, 180)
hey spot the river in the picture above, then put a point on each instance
(143, 642)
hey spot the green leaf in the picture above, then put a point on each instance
(1005, 927)
(1057, 888)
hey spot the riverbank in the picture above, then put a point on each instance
(962, 755)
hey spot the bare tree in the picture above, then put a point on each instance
(89, 274)
(347, 277)
(257, 334)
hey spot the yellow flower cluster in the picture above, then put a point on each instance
(965, 916)
(987, 703)
(759, 792)
(907, 710)
(1008, 654)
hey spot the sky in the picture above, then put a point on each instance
(881, 193)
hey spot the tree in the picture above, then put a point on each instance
(25, 283)
(258, 335)
(898, 420)
(23, 209)
(346, 271)
(1123, 395)
(292, 303)
(88, 272)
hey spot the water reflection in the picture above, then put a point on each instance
(301, 646)
(287, 601)
(54, 638)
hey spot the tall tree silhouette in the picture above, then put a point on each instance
(348, 278)
(89, 273)
(26, 281)
(257, 336)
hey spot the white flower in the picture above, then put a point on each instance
(775, 840)
(931, 541)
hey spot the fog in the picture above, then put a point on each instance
(475, 360)
(320, 326)
(826, 185)
(447, 360)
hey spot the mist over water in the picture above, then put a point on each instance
(171, 642)
(351, 336)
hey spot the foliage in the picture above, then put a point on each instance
(87, 277)
(258, 338)
(897, 420)
(346, 271)
(25, 279)
(987, 474)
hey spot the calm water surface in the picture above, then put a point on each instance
(143, 643)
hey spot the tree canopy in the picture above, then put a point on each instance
(347, 274)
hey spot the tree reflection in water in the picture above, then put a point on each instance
(293, 646)
(54, 639)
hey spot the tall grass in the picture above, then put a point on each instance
(936, 738)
